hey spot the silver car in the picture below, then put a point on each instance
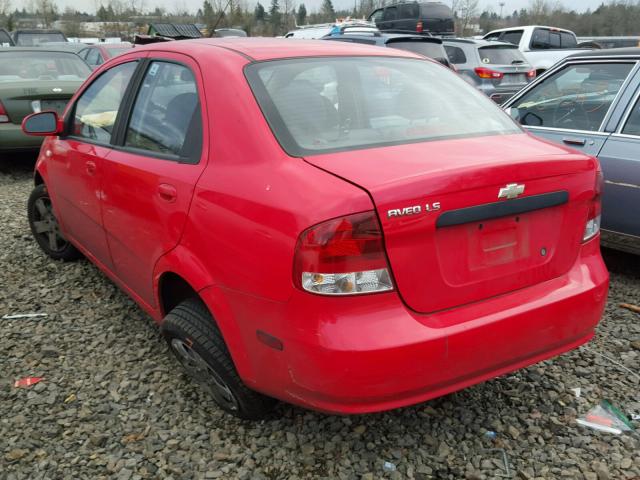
(498, 69)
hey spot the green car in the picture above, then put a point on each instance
(33, 80)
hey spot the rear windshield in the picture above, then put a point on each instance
(501, 55)
(33, 39)
(21, 66)
(316, 105)
(427, 49)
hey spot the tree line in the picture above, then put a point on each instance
(276, 17)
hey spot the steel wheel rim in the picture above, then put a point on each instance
(46, 227)
(202, 372)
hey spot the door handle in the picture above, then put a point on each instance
(574, 141)
(167, 192)
(90, 167)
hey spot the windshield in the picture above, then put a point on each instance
(316, 105)
(501, 55)
(21, 66)
(34, 39)
(427, 49)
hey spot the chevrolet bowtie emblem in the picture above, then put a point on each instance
(511, 190)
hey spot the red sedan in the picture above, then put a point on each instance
(343, 227)
(96, 55)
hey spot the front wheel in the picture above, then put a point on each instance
(45, 227)
(196, 341)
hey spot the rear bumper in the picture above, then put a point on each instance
(12, 138)
(371, 353)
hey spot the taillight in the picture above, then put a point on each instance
(419, 27)
(592, 227)
(343, 256)
(4, 118)
(531, 74)
(484, 72)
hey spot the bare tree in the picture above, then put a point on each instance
(5, 7)
(468, 11)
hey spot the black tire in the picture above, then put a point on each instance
(45, 228)
(196, 341)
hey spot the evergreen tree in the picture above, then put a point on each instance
(327, 10)
(102, 14)
(302, 15)
(275, 17)
(259, 13)
(208, 16)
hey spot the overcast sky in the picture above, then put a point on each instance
(510, 5)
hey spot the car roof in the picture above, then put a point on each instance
(258, 48)
(608, 52)
(522, 27)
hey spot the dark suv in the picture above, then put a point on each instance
(432, 17)
(424, 45)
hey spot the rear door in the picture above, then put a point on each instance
(572, 105)
(151, 174)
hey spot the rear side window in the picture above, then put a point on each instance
(390, 13)
(632, 127)
(166, 114)
(540, 39)
(93, 57)
(456, 54)
(408, 10)
(97, 108)
(500, 55)
(349, 103)
(576, 97)
(435, 10)
(512, 37)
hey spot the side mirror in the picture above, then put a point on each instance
(42, 124)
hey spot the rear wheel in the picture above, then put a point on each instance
(45, 227)
(197, 343)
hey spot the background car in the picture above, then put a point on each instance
(427, 46)
(497, 69)
(591, 102)
(434, 17)
(32, 80)
(364, 230)
(542, 46)
(35, 37)
(99, 53)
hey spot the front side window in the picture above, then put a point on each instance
(408, 10)
(376, 16)
(576, 97)
(568, 40)
(346, 103)
(97, 108)
(166, 114)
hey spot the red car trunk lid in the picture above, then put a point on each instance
(450, 239)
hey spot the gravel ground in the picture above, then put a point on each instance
(113, 403)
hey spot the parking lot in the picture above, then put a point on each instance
(114, 404)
